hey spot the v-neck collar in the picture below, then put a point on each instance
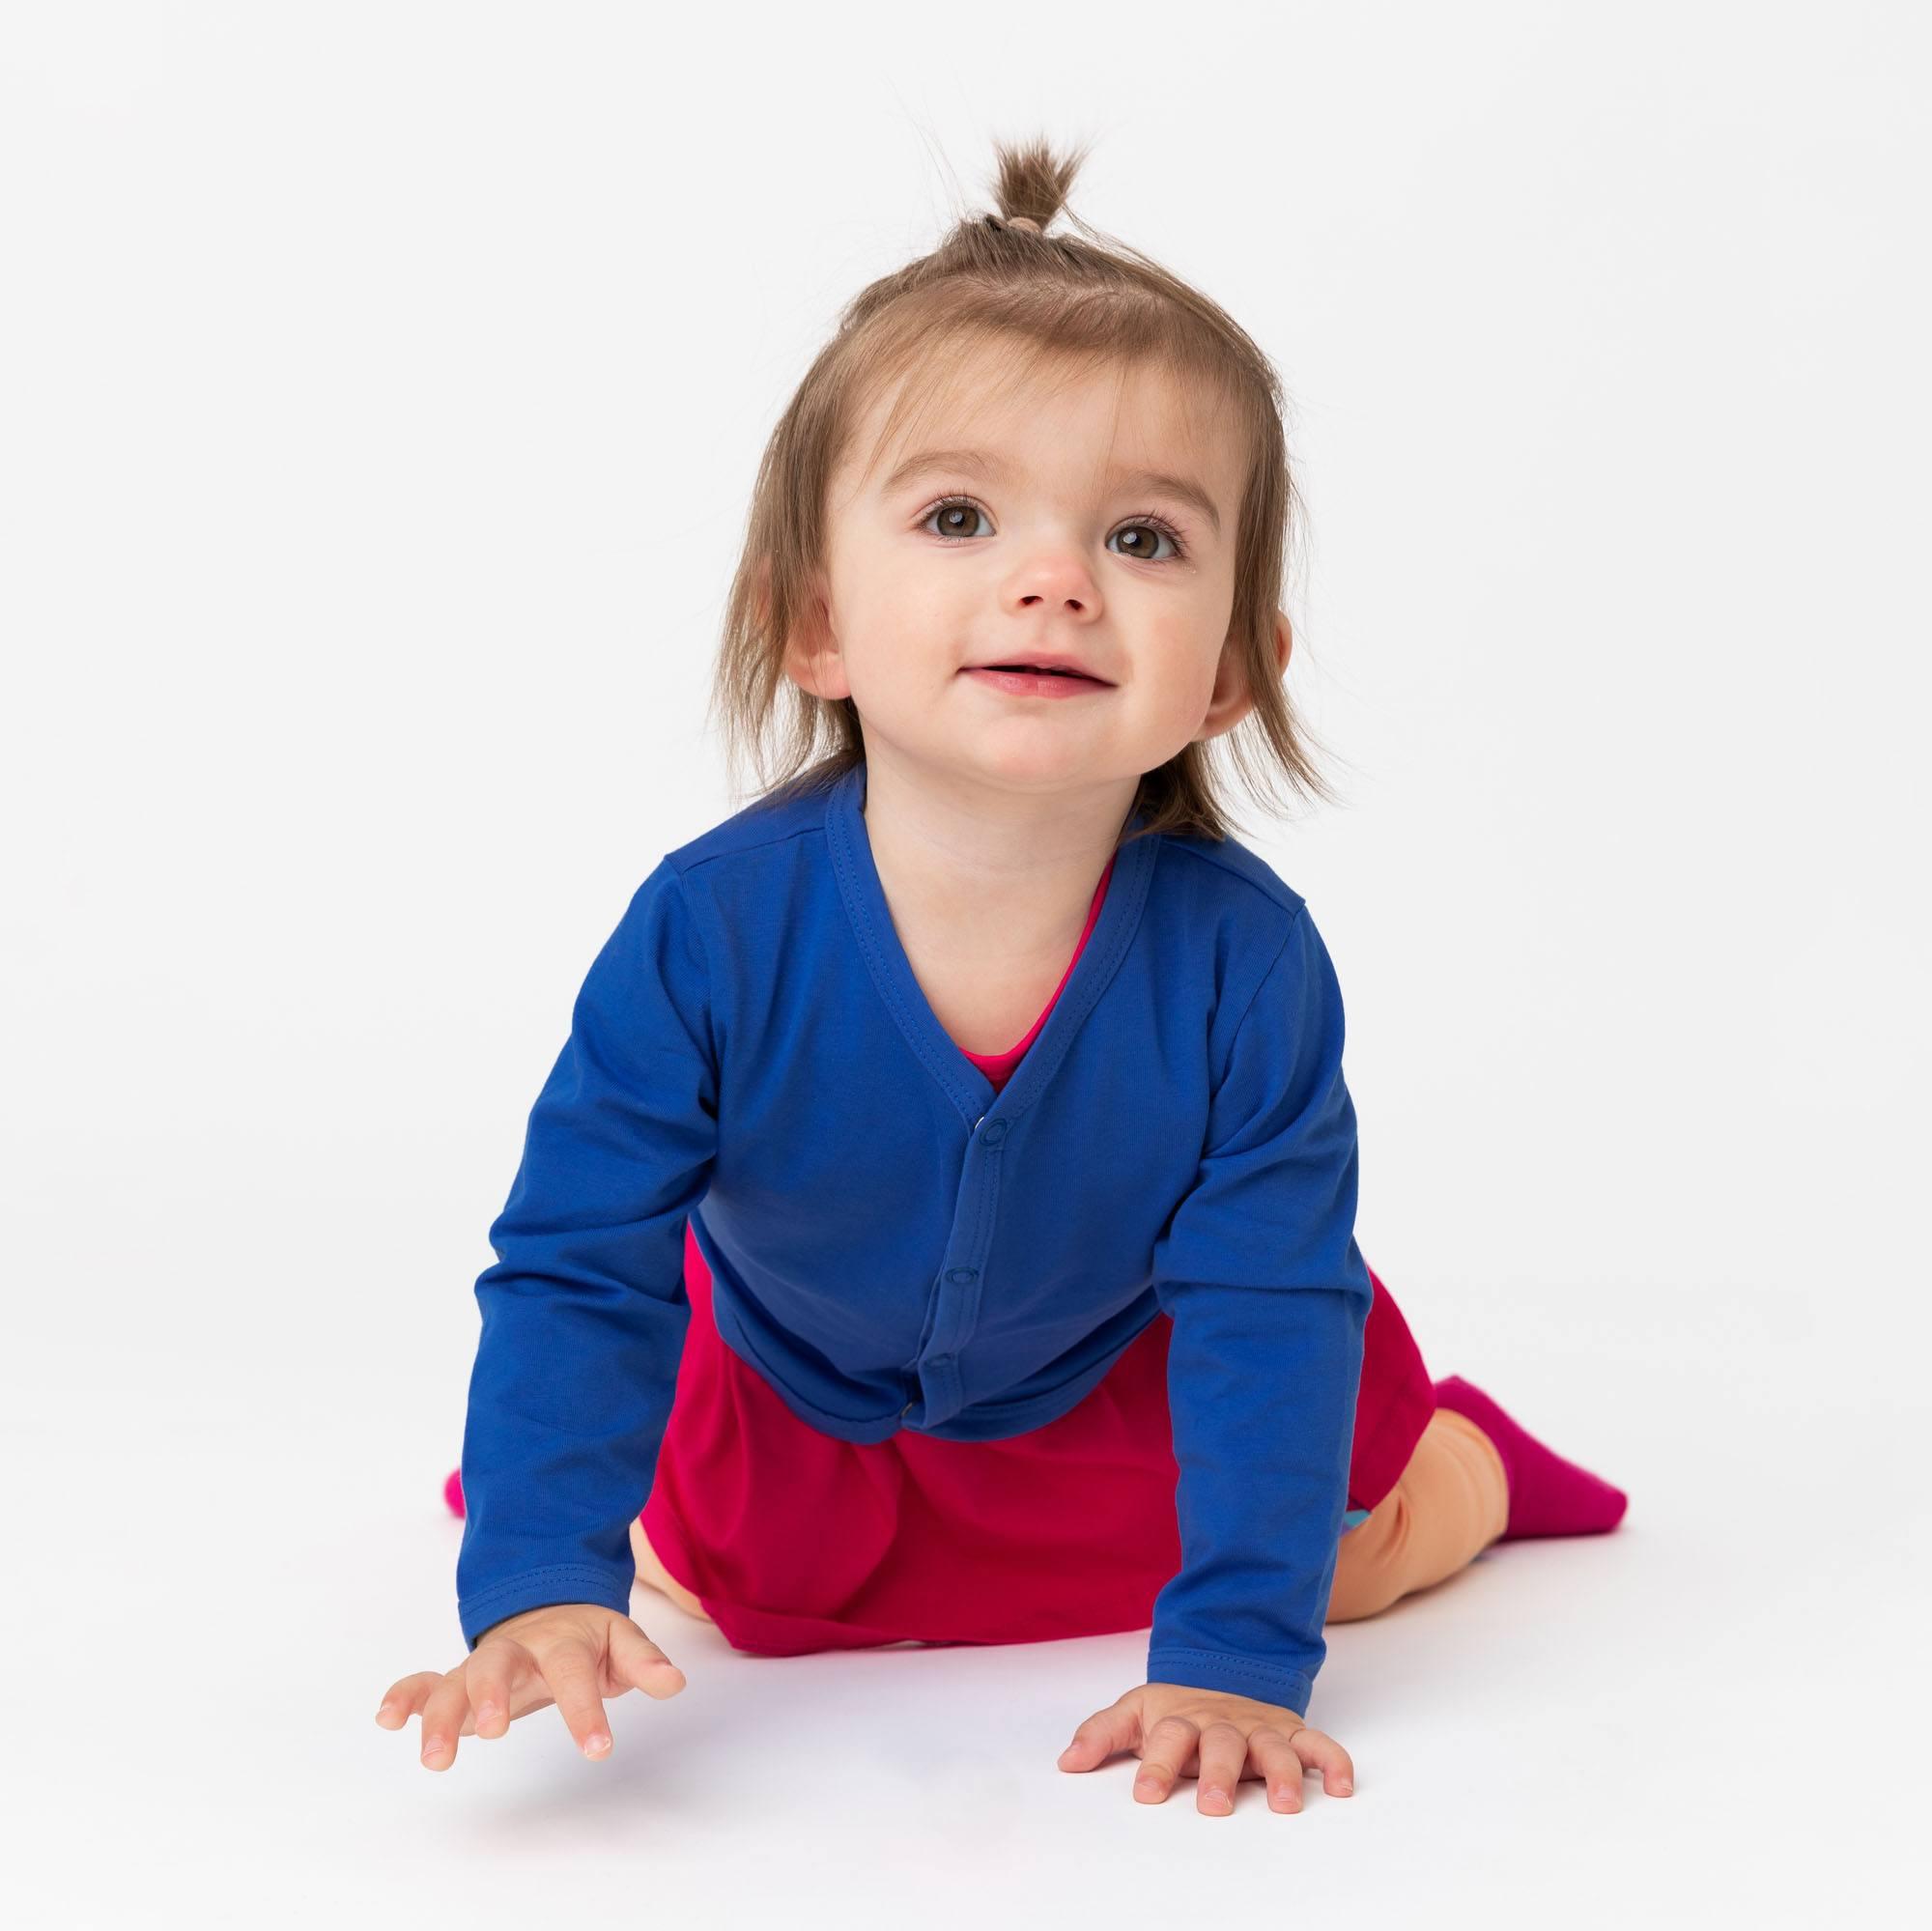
(969, 1089)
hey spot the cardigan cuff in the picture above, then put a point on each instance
(1233, 1676)
(539, 1589)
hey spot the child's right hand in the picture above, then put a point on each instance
(570, 1654)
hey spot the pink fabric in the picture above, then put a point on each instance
(1548, 1495)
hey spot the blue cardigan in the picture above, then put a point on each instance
(897, 1244)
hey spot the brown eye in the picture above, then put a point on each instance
(955, 520)
(1146, 539)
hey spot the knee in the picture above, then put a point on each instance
(1368, 1562)
(650, 1568)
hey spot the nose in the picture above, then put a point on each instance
(1062, 580)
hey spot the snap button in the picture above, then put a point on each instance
(904, 1412)
(942, 1361)
(995, 1133)
(962, 1274)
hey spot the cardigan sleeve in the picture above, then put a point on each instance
(1269, 1297)
(585, 1311)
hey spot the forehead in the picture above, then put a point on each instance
(1002, 408)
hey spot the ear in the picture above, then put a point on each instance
(812, 656)
(1232, 701)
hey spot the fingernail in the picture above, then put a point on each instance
(487, 1713)
(596, 1746)
(1345, 1788)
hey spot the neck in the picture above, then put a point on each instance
(1010, 874)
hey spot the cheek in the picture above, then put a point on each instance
(890, 594)
(1180, 679)
(887, 663)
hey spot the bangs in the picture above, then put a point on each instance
(944, 370)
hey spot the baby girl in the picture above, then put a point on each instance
(939, 1224)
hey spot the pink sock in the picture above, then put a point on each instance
(452, 1491)
(1548, 1496)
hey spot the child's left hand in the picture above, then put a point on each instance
(1173, 1729)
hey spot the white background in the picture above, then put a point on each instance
(382, 387)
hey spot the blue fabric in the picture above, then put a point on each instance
(897, 1244)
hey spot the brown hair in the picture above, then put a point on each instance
(1048, 298)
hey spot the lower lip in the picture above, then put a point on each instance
(1034, 684)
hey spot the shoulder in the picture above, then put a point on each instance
(1220, 886)
(693, 885)
(777, 818)
(1234, 918)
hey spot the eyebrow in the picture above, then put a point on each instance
(1182, 487)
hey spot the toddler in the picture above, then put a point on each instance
(938, 1226)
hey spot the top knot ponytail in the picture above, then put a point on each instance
(1032, 185)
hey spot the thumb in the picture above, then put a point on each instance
(1101, 1735)
(641, 1662)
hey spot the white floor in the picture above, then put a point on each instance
(1714, 1715)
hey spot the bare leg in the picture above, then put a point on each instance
(1450, 1504)
(650, 1569)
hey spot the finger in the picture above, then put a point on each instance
(1223, 1755)
(636, 1659)
(1279, 1768)
(1168, 1746)
(1103, 1733)
(404, 1697)
(528, 1690)
(443, 1717)
(489, 1671)
(569, 1667)
(1319, 1750)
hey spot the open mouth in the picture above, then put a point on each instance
(1037, 670)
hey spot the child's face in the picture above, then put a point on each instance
(1052, 553)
